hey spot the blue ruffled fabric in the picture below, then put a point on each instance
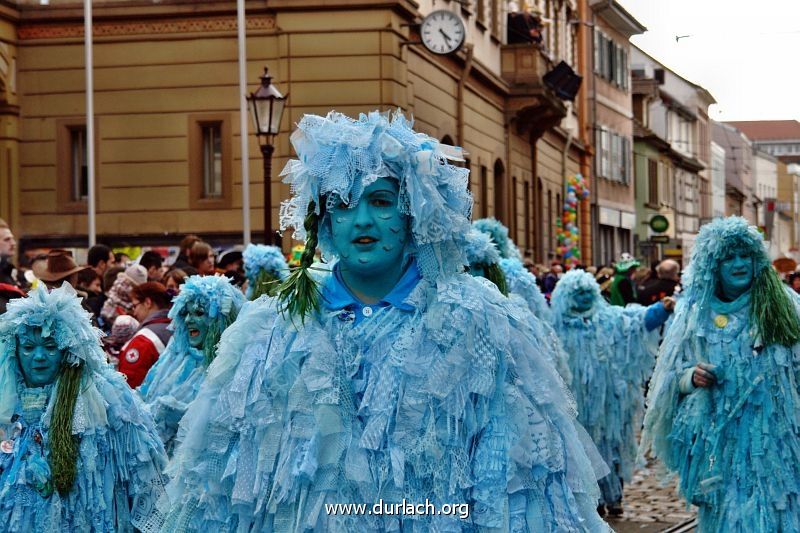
(429, 403)
(121, 457)
(499, 234)
(174, 381)
(735, 445)
(262, 258)
(611, 356)
(522, 282)
(340, 156)
(749, 422)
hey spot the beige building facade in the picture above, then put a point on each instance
(166, 99)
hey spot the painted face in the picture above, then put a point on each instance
(583, 300)
(39, 358)
(477, 271)
(371, 236)
(196, 324)
(736, 274)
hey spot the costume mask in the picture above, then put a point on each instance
(39, 358)
(735, 274)
(370, 238)
(196, 324)
(582, 300)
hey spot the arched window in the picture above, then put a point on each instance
(484, 191)
(500, 196)
(526, 211)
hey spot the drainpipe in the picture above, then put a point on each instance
(468, 48)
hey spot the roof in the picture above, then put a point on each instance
(618, 17)
(768, 130)
(702, 90)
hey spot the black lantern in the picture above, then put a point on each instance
(267, 105)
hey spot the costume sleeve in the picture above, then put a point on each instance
(655, 316)
(136, 359)
(677, 354)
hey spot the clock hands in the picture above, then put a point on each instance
(446, 37)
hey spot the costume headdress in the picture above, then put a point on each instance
(60, 316)
(771, 309)
(264, 267)
(499, 234)
(219, 299)
(338, 157)
(573, 281)
(482, 254)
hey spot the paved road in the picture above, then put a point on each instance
(650, 507)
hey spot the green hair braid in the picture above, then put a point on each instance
(63, 444)
(773, 311)
(265, 283)
(299, 294)
(495, 274)
(213, 335)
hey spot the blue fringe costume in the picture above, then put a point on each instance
(120, 455)
(425, 399)
(261, 259)
(481, 252)
(519, 280)
(611, 355)
(173, 382)
(736, 444)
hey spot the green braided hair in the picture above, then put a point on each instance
(495, 274)
(265, 283)
(773, 311)
(63, 444)
(214, 333)
(299, 293)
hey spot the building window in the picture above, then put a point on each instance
(72, 168)
(495, 6)
(610, 60)
(613, 157)
(484, 191)
(79, 170)
(526, 210)
(652, 182)
(210, 161)
(500, 194)
(480, 11)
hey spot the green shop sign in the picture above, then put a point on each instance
(659, 223)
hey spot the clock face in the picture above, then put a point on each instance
(442, 32)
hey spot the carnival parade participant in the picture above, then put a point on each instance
(265, 267)
(396, 381)
(80, 451)
(518, 279)
(723, 410)
(484, 261)
(206, 306)
(611, 352)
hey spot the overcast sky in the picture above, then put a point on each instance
(745, 53)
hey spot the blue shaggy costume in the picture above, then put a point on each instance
(82, 453)
(424, 398)
(735, 444)
(611, 355)
(175, 379)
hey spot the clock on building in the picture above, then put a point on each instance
(442, 32)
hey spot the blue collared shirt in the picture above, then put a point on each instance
(336, 295)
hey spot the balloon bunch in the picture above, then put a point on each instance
(568, 232)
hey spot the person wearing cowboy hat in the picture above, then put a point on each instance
(623, 290)
(61, 267)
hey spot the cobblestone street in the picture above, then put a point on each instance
(649, 507)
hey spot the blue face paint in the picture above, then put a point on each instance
(39, 358)
(370, 240)
(196, 324)
(735, 274)
(477, 271)
(583, 300)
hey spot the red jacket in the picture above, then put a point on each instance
(142, 351)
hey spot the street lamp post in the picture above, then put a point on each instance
(267, 105)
